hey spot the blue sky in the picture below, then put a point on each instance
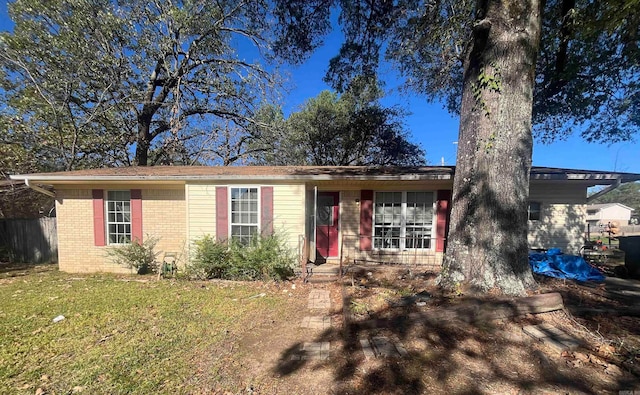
(437, 130)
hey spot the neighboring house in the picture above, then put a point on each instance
(601, 214)
(324, 213)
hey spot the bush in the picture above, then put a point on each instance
(211, 259)
(6, 255)
(140, 256)
(264, 258)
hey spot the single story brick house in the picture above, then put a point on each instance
(325, 214)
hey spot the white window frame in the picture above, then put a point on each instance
(403, 222)
(107, 222)
(230, 214)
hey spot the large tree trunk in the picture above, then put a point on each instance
(487, 244)
(143, 142)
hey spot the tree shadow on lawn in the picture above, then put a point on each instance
(13, 269)
(451, 348)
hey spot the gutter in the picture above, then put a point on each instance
(235, 177)
(605, 190)
(39, 189)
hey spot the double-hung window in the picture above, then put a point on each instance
(244, 214)
(403, 220)
(534, 211)
(118, 217)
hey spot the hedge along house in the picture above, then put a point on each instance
(325, 214)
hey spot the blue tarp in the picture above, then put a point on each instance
(554, 263)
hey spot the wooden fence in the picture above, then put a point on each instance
(29, 240)
(630, 230)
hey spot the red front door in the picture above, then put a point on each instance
(327, 224)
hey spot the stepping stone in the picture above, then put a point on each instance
(313, 350)
(319, 299)
(382, 347)
(367, 349)
(318, 322)
(553, 337)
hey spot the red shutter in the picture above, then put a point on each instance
(443, 207)
(136, 215)
(266, 214)
(366, 219)
(222, 213)
(98, 217)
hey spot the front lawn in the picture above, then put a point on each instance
(120, 334)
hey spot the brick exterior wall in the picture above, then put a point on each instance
(163, 216)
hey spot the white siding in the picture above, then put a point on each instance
(201, 210)
(288, 210)
(563, 216)
(611, 213)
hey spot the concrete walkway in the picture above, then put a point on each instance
(316, 322)
(319, 299)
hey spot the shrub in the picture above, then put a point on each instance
(140, 256)
(265, 257)
(211, 259)
(6, 255)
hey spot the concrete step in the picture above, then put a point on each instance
(325, 269)
(324, 273)
(319, 279)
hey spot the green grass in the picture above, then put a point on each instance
(118, 336)
(605, 239)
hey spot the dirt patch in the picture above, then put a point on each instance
(454, 356)
(261, 359)
(10, 270)
(447, 356)
(450, 356)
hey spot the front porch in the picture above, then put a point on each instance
(375, 223)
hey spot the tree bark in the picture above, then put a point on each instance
(487, 242)
(143, 141)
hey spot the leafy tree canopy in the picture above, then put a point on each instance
(351, 129)
(627, 194)
(16, 156)
(587, 72)
(94, 81)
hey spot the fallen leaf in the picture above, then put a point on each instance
(581, 356)
(606, 349)
(613, 370)
(596, 360)
(576, 363)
